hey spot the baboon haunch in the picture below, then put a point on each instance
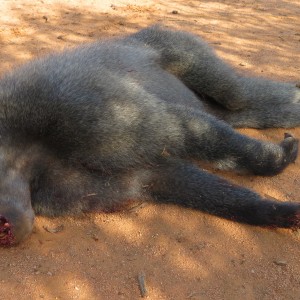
(112, 121)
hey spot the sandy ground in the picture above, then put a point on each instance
(183, 254)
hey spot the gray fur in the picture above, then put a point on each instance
(95, 126)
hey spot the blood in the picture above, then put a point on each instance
(6, 234)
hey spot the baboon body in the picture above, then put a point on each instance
(96, 126)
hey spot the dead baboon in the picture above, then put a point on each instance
(121, 119)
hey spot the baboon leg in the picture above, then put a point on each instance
(194, 62)
(267, 116)
(186, 185)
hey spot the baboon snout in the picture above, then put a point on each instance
(15, 226)
(6, 235)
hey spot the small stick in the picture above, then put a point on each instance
(142, 285)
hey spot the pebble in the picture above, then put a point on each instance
(280, 262)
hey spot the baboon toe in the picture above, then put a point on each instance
(290, 147)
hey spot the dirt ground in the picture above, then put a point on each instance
(182, 254)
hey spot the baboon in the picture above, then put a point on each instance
(95, 127)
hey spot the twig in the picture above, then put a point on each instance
(142, 285)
